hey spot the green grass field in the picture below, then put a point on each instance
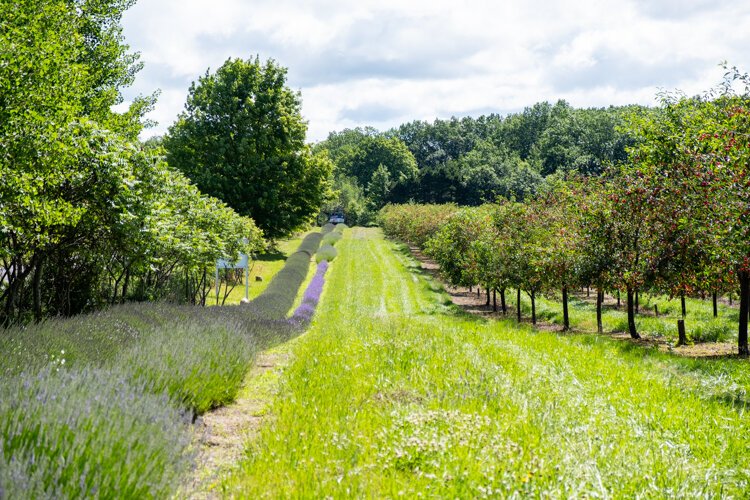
(394, 393)
(264, 267)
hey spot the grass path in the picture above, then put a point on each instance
(222, 434)
(393, 393)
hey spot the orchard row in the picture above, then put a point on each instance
(674, 219)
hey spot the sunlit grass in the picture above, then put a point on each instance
(394, 393)
(264, 267)
(700, 324)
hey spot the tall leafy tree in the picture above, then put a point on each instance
(63, 64)
(241, 138)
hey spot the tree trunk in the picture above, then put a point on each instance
(37, 285)
(518, 304)
(502, 301)
(488, 298)
(125, 285)
(479, 291)
(532, 295)
(631, 315)
(599, 300)
(714, 298)
(744, 278)
(566, 317)
(494, 299)
(618, 299)
(681, 336)
(682, 304)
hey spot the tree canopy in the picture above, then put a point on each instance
(89, 216)
(241, 138)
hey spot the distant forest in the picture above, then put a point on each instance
(470, 161)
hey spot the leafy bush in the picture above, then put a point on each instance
(326, 252)
(340, 227)
(332, 238)
(88, 433)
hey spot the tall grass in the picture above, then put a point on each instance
(392, 394)
(700, 324)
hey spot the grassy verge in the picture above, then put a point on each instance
(394, 393)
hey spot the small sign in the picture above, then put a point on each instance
(240, 264)
(243, 263)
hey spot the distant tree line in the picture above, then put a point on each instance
(470, 161)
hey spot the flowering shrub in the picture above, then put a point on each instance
(332, 238)
(97, 405)
(326, 252)
(310, 299)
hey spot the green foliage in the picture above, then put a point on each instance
(351, 200)
(332, 238)
(88, 217)
(471, 161)
(372, 152)
(241, 138)
(454, 406)
(379, 187)
(327, 252)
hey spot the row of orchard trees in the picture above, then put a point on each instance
(89, 215)
(674, 219)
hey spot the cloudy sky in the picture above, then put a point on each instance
(386, 62)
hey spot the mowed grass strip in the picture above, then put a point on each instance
(392, 393)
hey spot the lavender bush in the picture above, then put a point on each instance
(332, 238)
(89, 434)
(304, 313)
(98, 405)
(326, 252)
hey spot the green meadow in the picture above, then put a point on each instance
(394, 392)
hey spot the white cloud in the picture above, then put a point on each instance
(384, 62)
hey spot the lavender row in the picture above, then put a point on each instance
(304, 313)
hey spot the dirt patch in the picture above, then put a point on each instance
(221, 435)
(476, 303)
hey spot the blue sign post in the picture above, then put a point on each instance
(242, 263)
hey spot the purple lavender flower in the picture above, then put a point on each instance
(311, 297)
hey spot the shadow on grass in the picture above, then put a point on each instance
(272, 255)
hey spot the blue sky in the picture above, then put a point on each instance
(386, 62)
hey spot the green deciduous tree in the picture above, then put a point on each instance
(241, 139)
